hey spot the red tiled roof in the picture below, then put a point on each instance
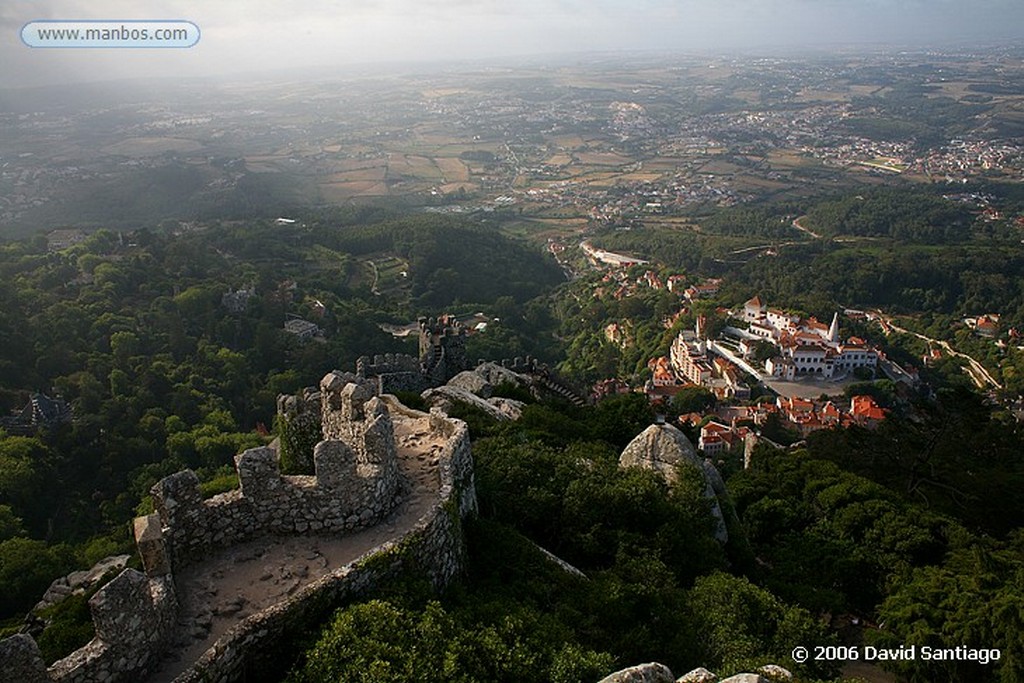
(865, 407)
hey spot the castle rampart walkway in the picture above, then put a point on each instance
(232, 584)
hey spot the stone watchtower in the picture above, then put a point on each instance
(353, 418)
(442, 348)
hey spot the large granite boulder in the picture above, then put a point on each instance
(501, 409)
(642, 673)
(472, 382)
(663, 448)
(656, 673)
(660, 447)
(495, 374)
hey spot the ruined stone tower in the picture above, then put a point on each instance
(442, 348)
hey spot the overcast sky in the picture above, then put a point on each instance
(246, 35)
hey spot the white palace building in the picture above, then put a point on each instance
(806, 347)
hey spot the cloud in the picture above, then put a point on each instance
(247, 35)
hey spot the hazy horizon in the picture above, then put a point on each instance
(265, 36)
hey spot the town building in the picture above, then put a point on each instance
(661, 372)
(618, 334)
(807, 347)
(303, 329)
(865, 412)
(237, 301)
(40, 412)
(987, 326)
(717, 438)
(704, 290)
(692, 362)
(56, 240)
(651, 279)
(609, 387)
(689, 358)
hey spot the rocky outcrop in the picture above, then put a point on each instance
(774, 672)
(662, 448)
(473, 382)
(643, 673)
(80, 581)
(659, 673)
(501, 409)
(495, 374)
(511, 408)
(475, 388)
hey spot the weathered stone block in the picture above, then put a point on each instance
(473, 383)
(335, 464)
(176, 496)
(117, 604)
(21, 661)
(258, 472)
(149, 538)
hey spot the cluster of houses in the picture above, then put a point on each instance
(800, 414)
(701, 290)
(803, 348)
(985, 326)
(627, 286)
(691, 362)
(807, 415)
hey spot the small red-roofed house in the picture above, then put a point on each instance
(866, 412)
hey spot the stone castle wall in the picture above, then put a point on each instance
(356, 482)
(434, 548)
(383, 364)
(133, 615)
(393, 372)
(442, 349)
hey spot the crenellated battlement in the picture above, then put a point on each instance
(357, 482)
(383, 364)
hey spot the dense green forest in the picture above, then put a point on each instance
(131, 330)
(914, 528)
(903, 216)
(812, 540)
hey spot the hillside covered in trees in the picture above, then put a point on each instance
(134, 332)
(913, 529)
(814, 544)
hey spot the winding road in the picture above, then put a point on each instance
(977, 371)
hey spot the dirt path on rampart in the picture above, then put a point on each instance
(237, 582)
